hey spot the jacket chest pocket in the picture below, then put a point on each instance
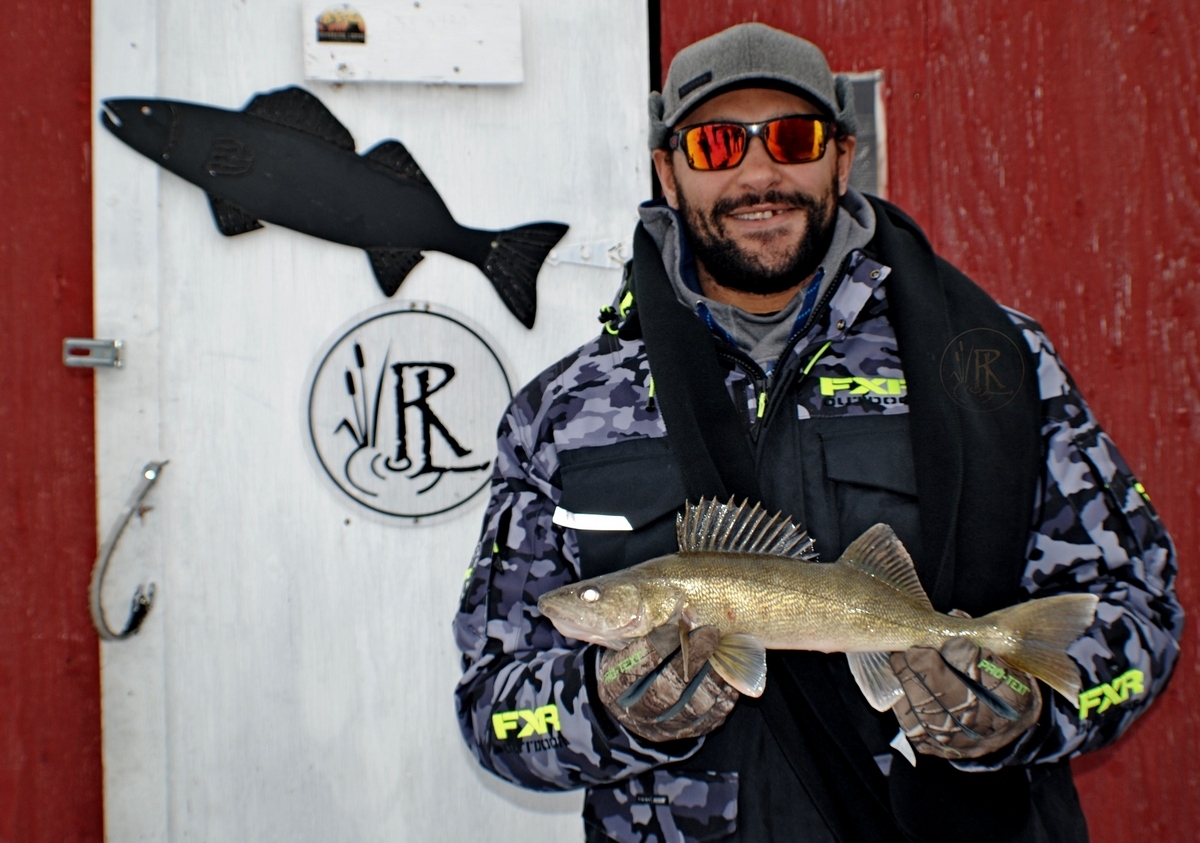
(871, 478)
(621, 500)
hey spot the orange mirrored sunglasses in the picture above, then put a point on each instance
(796, 139)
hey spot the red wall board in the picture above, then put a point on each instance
(1053, 152)
(50, 773)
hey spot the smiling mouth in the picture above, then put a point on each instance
(760, 215)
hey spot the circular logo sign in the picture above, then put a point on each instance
(402, 410)
(982, 370)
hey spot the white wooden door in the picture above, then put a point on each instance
(294, 679)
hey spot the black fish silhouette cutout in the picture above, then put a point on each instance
(286, 159)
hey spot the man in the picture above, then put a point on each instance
(782, 338)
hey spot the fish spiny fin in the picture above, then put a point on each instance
(880, 553)
(876, 679)
(297, 109)
(1042, 630)
(712, 526)
(741, 660)
(398, 161)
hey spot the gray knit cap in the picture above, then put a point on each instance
(744, 54)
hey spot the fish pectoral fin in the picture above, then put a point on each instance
(876, 679)
(685, 647)
(398, 161)
(880, 553)
(231, 219)
(391, 266)
(741, 660)
(297, 109)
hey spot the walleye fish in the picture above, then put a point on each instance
(286, 159)
(755, 577)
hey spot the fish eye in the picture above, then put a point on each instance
(147, 110)
(590, 594)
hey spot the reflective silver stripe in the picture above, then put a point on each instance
(590, 521)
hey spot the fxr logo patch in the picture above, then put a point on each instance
(863, 386)
(1102, 697)
(537, 721)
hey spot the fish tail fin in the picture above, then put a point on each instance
(1042, 630)
(514, 261)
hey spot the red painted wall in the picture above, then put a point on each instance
(1052, 151)
(50, 775)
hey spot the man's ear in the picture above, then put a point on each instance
(664, 165)
(846, 144)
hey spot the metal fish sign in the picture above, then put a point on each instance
(286, 159)
(755, 578)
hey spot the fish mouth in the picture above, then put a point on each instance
(614, 639)
(109, 117)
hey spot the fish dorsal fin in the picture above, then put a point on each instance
(880, 553)
(398, 161)
(712, 526)
(297, 109)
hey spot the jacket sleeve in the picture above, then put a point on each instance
(526, 698)
(1095, 530)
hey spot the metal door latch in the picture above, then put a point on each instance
(92, 354)
(143, 597)
(607, 255)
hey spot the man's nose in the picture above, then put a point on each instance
(758, 169)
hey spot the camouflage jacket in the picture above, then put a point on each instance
(526, 700)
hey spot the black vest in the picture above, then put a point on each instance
(962, 471)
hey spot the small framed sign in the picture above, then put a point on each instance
(435, 42)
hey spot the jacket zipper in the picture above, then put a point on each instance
(766, 387)
(788, 375)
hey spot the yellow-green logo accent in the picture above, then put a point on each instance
(537, 721)
(1004, 676)
(626, 664)
(863, 386)
(1102, 697)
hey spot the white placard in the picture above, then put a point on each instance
(438, 42)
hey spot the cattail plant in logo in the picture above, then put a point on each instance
(402, 410)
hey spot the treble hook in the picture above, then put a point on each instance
(143, 597)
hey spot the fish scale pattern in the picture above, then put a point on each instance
(1093, 530)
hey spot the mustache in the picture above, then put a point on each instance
(801, 201)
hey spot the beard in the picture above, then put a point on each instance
(734, 267)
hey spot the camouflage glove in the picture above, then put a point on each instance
(645, 689)
(962, 702)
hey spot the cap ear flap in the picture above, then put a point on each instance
(847, 123)
(659, 131)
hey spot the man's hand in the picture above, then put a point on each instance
(645, 686)
(962, 702)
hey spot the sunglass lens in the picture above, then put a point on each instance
(795, 140)
(715, 146)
